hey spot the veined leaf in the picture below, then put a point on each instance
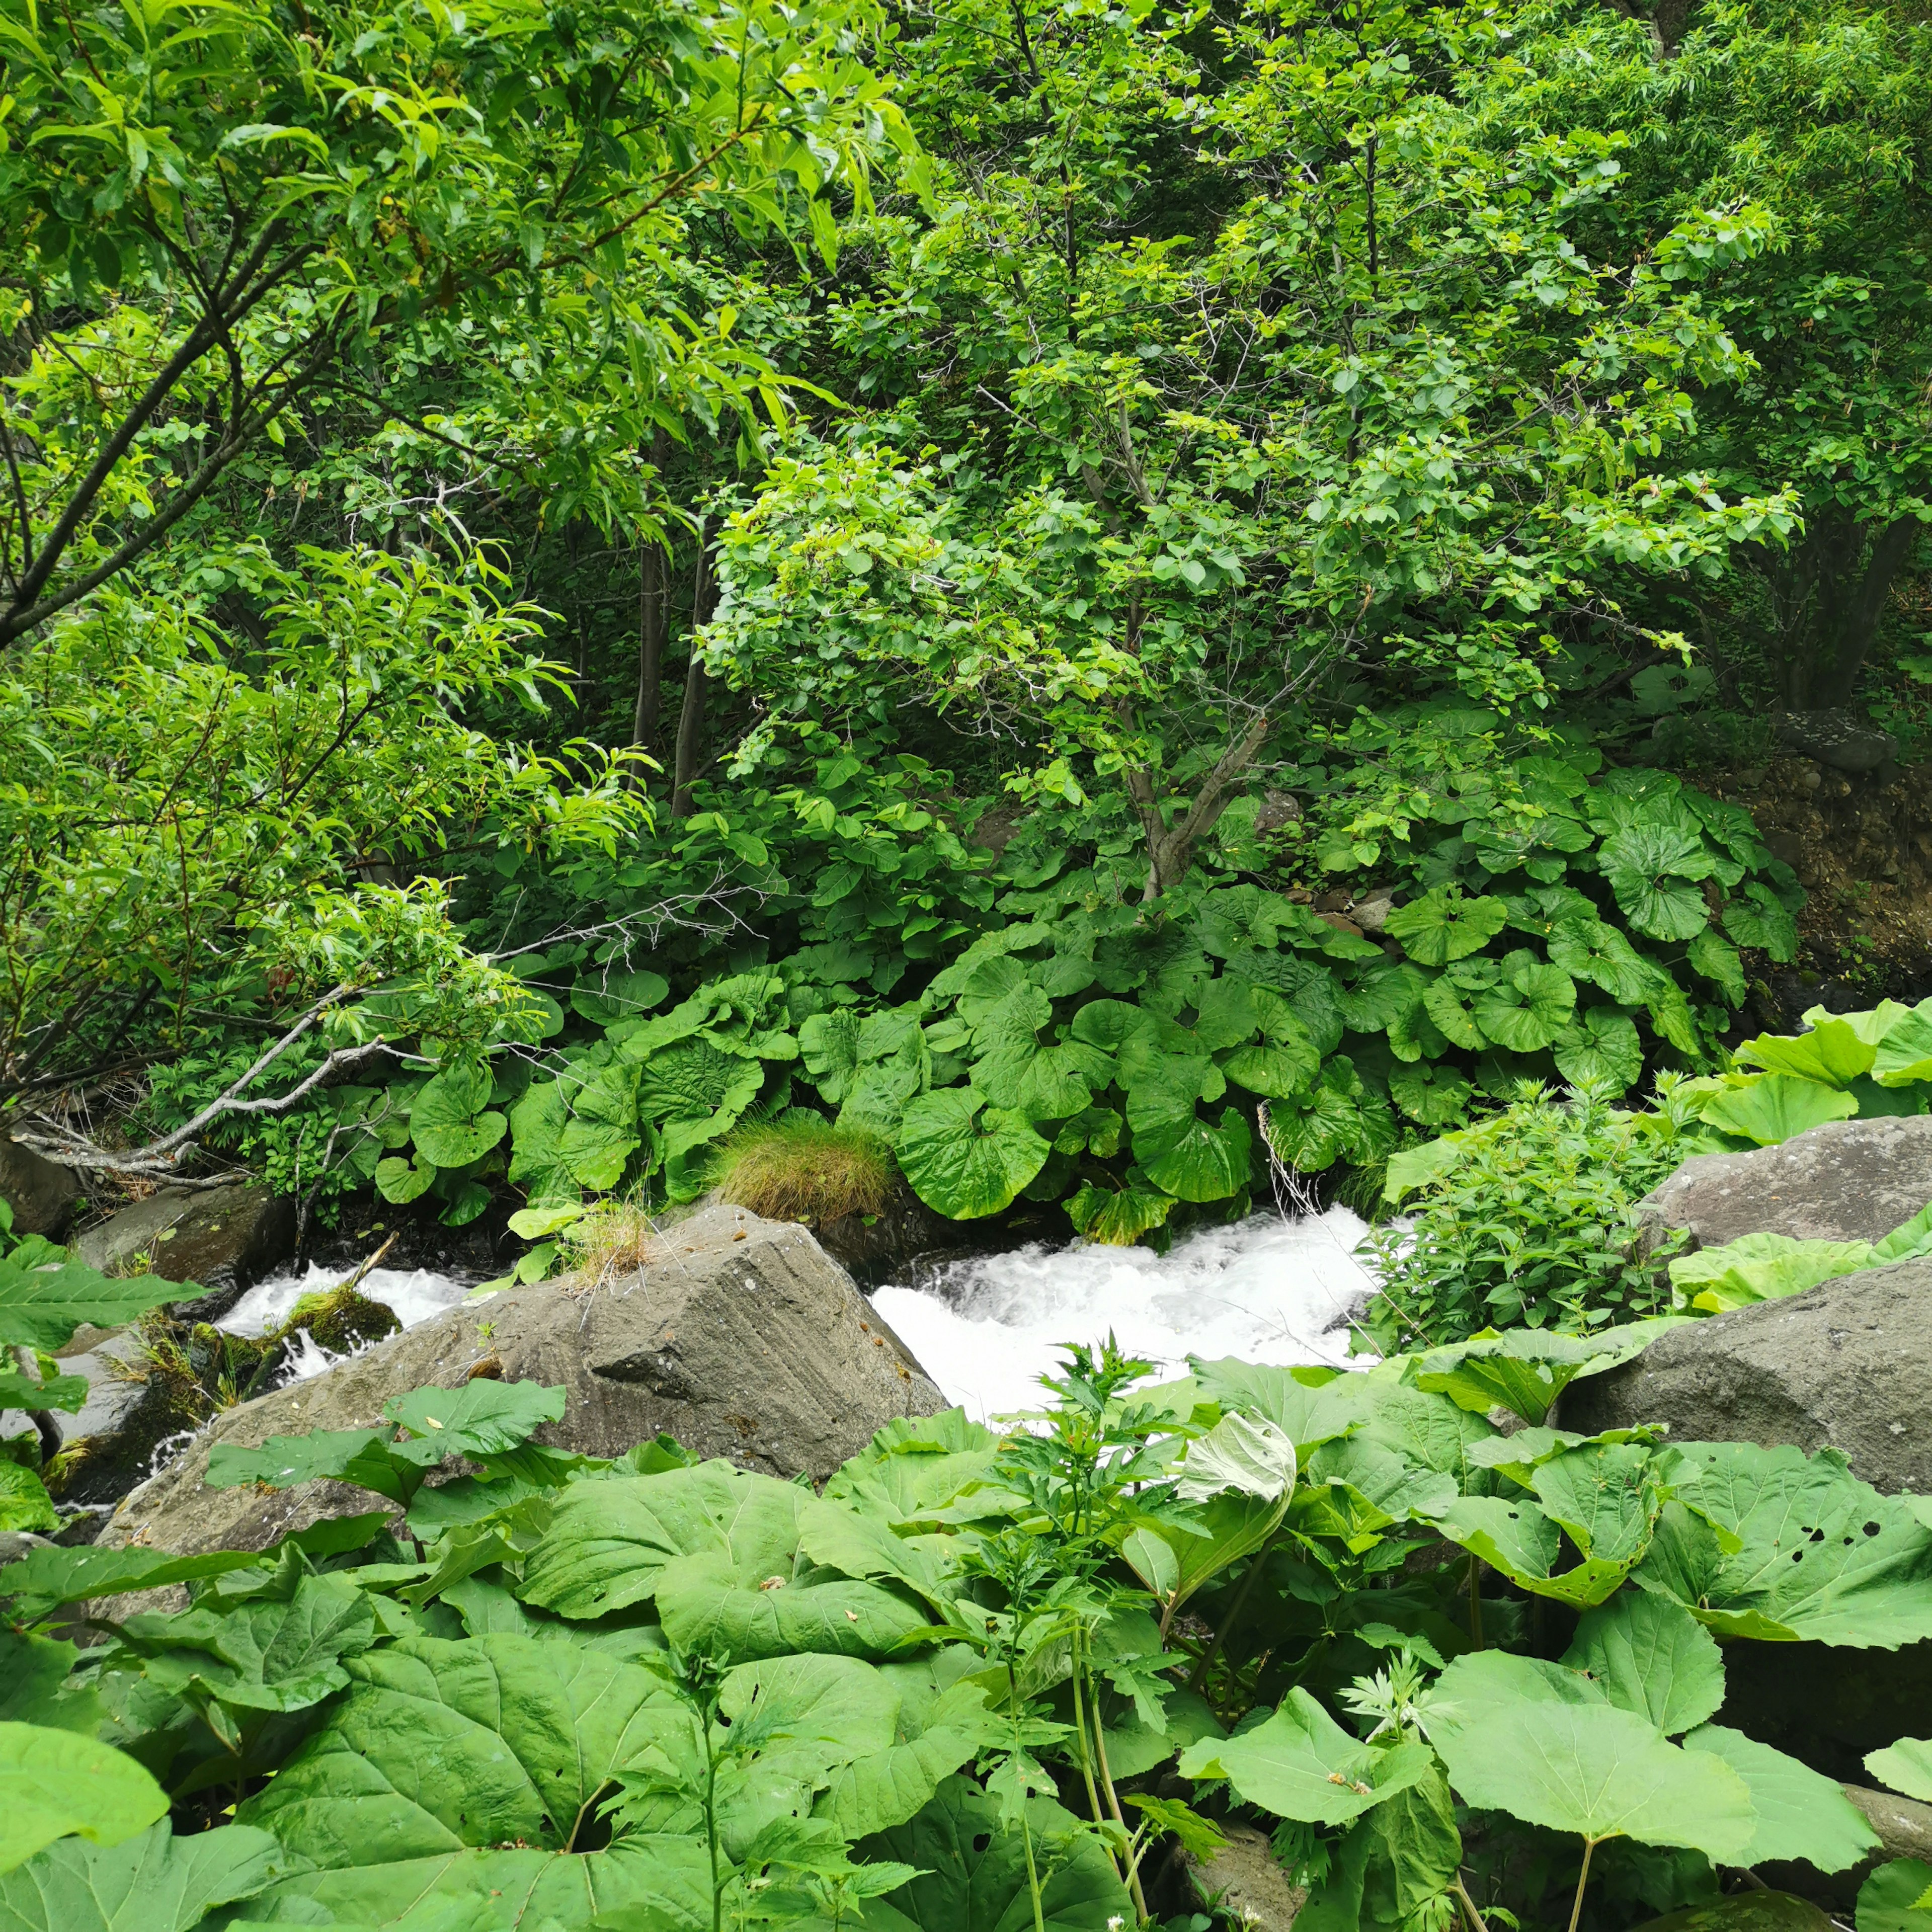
(964, 1161)
(1906, 1766)
(1649, 1655)
(1817, 1554)
(56, 1784)
(1442, 925)
(1301, 1764)
(1770, 1108)
(1800, 1813)
(151, 1882)
(1512, 1744)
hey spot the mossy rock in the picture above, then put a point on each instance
(342, 1321)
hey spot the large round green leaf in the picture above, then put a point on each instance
(448, 1118)
(152, 1882)
(1587, 949)
(1906, 1766)
(1770, 1108)
(972, 1868)
(55, 1784)
(1600, 1048)
(440, 1745)
(1118, 1217)
(965, 1159)
(1181, 1153)
(1892, 1899)
(1301, 1764)
(1443, 926)
(1529, 1007)
(1649, 1655)
(1653, 866)
(605, 997)
(1434, 1094)
(1513, 1741)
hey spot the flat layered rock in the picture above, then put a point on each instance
(739, 1337)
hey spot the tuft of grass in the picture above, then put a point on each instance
(806, 1170)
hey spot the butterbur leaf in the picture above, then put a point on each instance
(1119, 1216)
(1180, 1152)
(1301, 1764)
(1893, 1898)
(1436, 1095)
(1601, 1050)
(68, 1393)
(1906, 1766)
(56, 1784)
(604, 997)
(1651, 1656)
(940, 1723)
(450, 1119)
(1588, 949)
(44, 1579)
(1784, 1546)
(1763, 1267)
(440, 1745)
(596, 1143)
(44, 1298)
(1717, 959)
(1442, 925)
(1800, 1813)
(963, 1160)
(1512, 1742)
(1756, 919)
(1528, 1007)
(1770, 1108)
(481, 1418)
(25, 1504)
(1253, 1458)
(150, 1882)
(1653, 865)
(829, 1043)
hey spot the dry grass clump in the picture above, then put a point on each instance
(806, 1170)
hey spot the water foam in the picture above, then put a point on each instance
(1266, 1289)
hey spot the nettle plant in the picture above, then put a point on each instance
(1532, 1214)
(979, 1680)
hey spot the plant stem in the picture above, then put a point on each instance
(1214, 1650)
(711, 1820)
(1080, 1730)
(1583, 1879)
(1477, 1922)
(1026, 1831)
(1114, 1806)
(1476, 1600)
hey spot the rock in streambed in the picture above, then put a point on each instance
(738, 1336)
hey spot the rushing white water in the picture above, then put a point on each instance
(1265, 1289)
(415, 1294)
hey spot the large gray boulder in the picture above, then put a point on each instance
(1850, 1180)
(738, 1336)
(1849, 1364)
(225, 1239)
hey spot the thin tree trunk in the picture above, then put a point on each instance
(653, 591)
(691, 714)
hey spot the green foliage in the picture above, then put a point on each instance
(648, 1693)
(1529, 1217)
(56, 1782)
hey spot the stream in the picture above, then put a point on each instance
(414, 1294)
(1267, 1289)
(987, 1327)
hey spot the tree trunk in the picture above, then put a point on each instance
(1856, 609)
(691, 714)
(653, 591)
